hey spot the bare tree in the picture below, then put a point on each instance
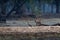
(3, 11)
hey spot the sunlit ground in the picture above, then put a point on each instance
(32, 22)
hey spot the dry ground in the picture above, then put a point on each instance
(24, 22)
(33, 29)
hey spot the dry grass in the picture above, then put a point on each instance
(35, 29)
(30, 33)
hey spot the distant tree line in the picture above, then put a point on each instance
(22, 7)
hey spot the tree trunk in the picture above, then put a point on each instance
(3, 14)
(57, 6)
(43, 7)
(51, 8)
